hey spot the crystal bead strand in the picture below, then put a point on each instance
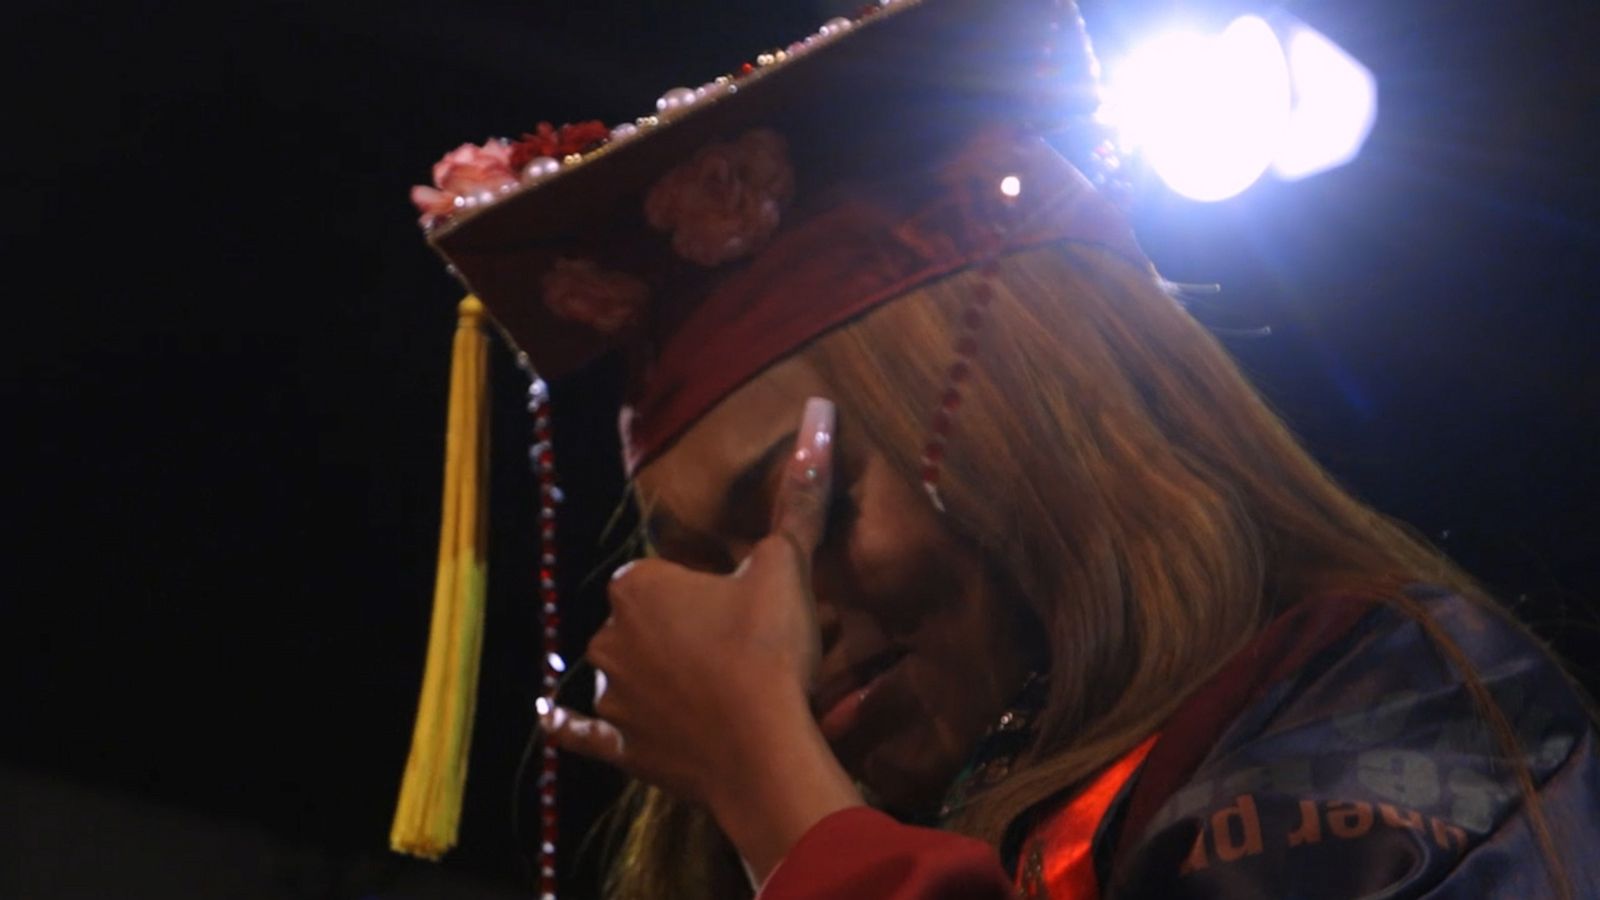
(541, 458)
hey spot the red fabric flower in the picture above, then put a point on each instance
(726, 201)
(580, 291)
(547, 140)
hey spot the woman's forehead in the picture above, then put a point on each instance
(689, 478)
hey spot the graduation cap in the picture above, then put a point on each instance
(723, 231)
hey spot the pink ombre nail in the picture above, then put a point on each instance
(815, 439)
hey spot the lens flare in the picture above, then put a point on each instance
(1210, 113)
(1335, 106)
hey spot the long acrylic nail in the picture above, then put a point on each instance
(815, 437)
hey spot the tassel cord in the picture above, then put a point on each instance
(427, 817)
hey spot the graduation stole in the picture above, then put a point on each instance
(1058, 858)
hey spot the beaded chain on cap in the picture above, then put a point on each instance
(541, 458)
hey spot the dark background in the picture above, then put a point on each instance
(227, 351)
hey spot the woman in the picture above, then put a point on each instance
(1168, 520)
(979, 566)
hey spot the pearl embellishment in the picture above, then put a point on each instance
(678, 99)
(675, 100)
(712, 90)
(540, 167)
(835, 26)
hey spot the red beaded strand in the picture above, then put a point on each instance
(982, 295)
(966, 347)
(939, 426)
(541, 458)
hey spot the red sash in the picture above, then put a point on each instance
(1058, 859)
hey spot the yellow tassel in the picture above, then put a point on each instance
(429, 810)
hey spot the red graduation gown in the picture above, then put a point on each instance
(862, 854)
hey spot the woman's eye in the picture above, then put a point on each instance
(699, 555)
(842, 512)
(711, 563)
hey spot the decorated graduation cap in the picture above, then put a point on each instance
(720, 233)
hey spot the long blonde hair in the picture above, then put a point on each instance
(1169, 513)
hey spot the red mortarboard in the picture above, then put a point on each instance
(894, 129)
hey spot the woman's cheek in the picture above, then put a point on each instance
(913, 754)
(893, 535)
(900, 574)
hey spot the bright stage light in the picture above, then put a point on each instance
(1207, 112)
(1211, 113)
(1336, 102)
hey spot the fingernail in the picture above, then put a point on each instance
(815, 436)
(623, 569)
(551, 716)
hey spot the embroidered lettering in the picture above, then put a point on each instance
(1248, 840)
(1309, 831)
(1404, 776)
(1444, 833)
(1392, 817)
(1196, 860)
(1475, 798)
(1349, 820)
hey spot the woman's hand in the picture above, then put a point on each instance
(706, 677)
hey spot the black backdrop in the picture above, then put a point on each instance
(226, 364)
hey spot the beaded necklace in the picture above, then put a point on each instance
(997, 750)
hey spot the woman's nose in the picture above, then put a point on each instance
(827, 622)
(739, 551)
(828, 619)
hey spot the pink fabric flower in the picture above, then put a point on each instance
(467, 171)
(433, 203)
(470, 169)
(580, 291)
(726, 201)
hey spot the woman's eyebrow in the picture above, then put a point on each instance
(665, 530)
(740, 499)
(745, 492)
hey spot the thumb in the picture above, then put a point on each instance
(800, 513)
